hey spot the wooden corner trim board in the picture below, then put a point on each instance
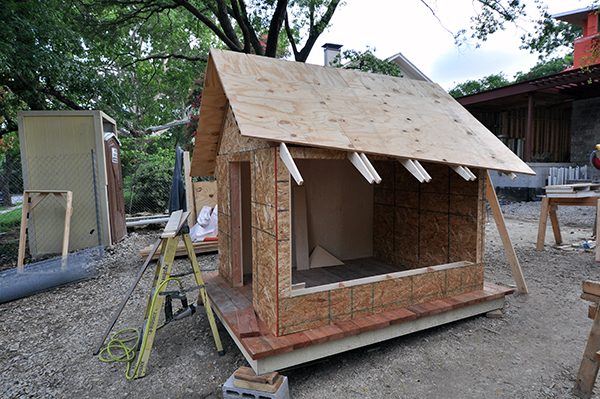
(374, 279)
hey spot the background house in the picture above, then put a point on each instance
(549, 121)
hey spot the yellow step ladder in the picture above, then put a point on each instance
(175, 230)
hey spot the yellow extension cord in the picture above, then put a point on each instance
(118, 349)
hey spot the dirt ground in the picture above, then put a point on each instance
(46, 341)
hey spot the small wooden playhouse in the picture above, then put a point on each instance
(351, 206)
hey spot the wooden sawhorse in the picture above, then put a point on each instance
(31, 199)
(549, 207)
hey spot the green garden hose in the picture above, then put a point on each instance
(122, 344)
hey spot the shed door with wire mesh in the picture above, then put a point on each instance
(58, 152)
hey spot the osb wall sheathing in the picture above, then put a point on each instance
(270, 224)
(232, 141)
(304, 312)
(429, 223)
(264, 236)
(232, 148)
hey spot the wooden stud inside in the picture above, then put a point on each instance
(370, 167)
(361, 166)
(289, 163)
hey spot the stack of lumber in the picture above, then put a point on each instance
(200, 247)
(577, 190)
(245, 377)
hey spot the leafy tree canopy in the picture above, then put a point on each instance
(137, 60)
(475, 86)
(545, 68)
(494, 81)
(367, 61)
(550, 37)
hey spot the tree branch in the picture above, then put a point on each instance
(209, 24)
(223, 18)
(290, 36)
(258, 48)
(436, 17)
(275, 28)
(49, 90)
(317, 29)
(235, 12)
(166, 56)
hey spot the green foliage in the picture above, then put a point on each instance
(136, 60)
(550, 36)
(475, 86)
(11, 180)
(150, 186)
(10, 220)
(147, 171)
(43, 61)
(60, 59)
(366, 61)
(494, 81)
(156, 59)
(490, 17)
(552, 66)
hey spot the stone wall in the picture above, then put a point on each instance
(585, 129)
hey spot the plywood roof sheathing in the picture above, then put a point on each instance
(347, 110)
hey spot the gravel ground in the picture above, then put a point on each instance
(532, 352)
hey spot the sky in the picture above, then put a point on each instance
(407, 26)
